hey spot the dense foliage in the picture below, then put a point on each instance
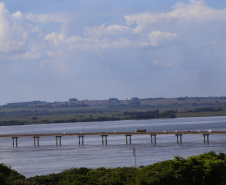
(206, 169)
(9, 176)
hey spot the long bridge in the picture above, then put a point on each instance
(104, 135)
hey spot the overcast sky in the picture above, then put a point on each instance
(53, 50)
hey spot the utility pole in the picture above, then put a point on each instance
(134, 158)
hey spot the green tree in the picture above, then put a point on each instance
(10, 177)
(205, 169)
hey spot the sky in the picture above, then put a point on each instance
(53, 50)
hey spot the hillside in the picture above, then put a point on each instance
(39, 112)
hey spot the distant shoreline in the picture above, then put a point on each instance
(14, 123)
(72, 111)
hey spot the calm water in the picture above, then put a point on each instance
(49, 158)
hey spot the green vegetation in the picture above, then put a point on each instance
(74, 110)
(9, 176)
(150, 114)
(207, 169)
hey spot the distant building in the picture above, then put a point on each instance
(73, 99)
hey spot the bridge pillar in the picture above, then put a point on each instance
(14, 138)
(104, 136)
(180, 138)
(206, 136)
(36, 137)
(154, 138)
(129, 139)
(79, 140)
(58, 138)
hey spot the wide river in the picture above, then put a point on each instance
(47, 158)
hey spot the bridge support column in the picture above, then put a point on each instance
(104, 136)
(58, 138)
(206, 136)
(129, 139)
(180, 138)
(14, 138)
(79, 140)
(154, 138)
(35, 141)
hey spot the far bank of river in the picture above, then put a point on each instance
(127, 115)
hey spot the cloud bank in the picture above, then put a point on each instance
(58, 55)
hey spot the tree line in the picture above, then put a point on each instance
(207, 169)
(150, 114)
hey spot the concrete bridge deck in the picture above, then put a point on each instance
(104, 135)
(114, 133)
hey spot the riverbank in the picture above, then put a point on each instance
(134, 115)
